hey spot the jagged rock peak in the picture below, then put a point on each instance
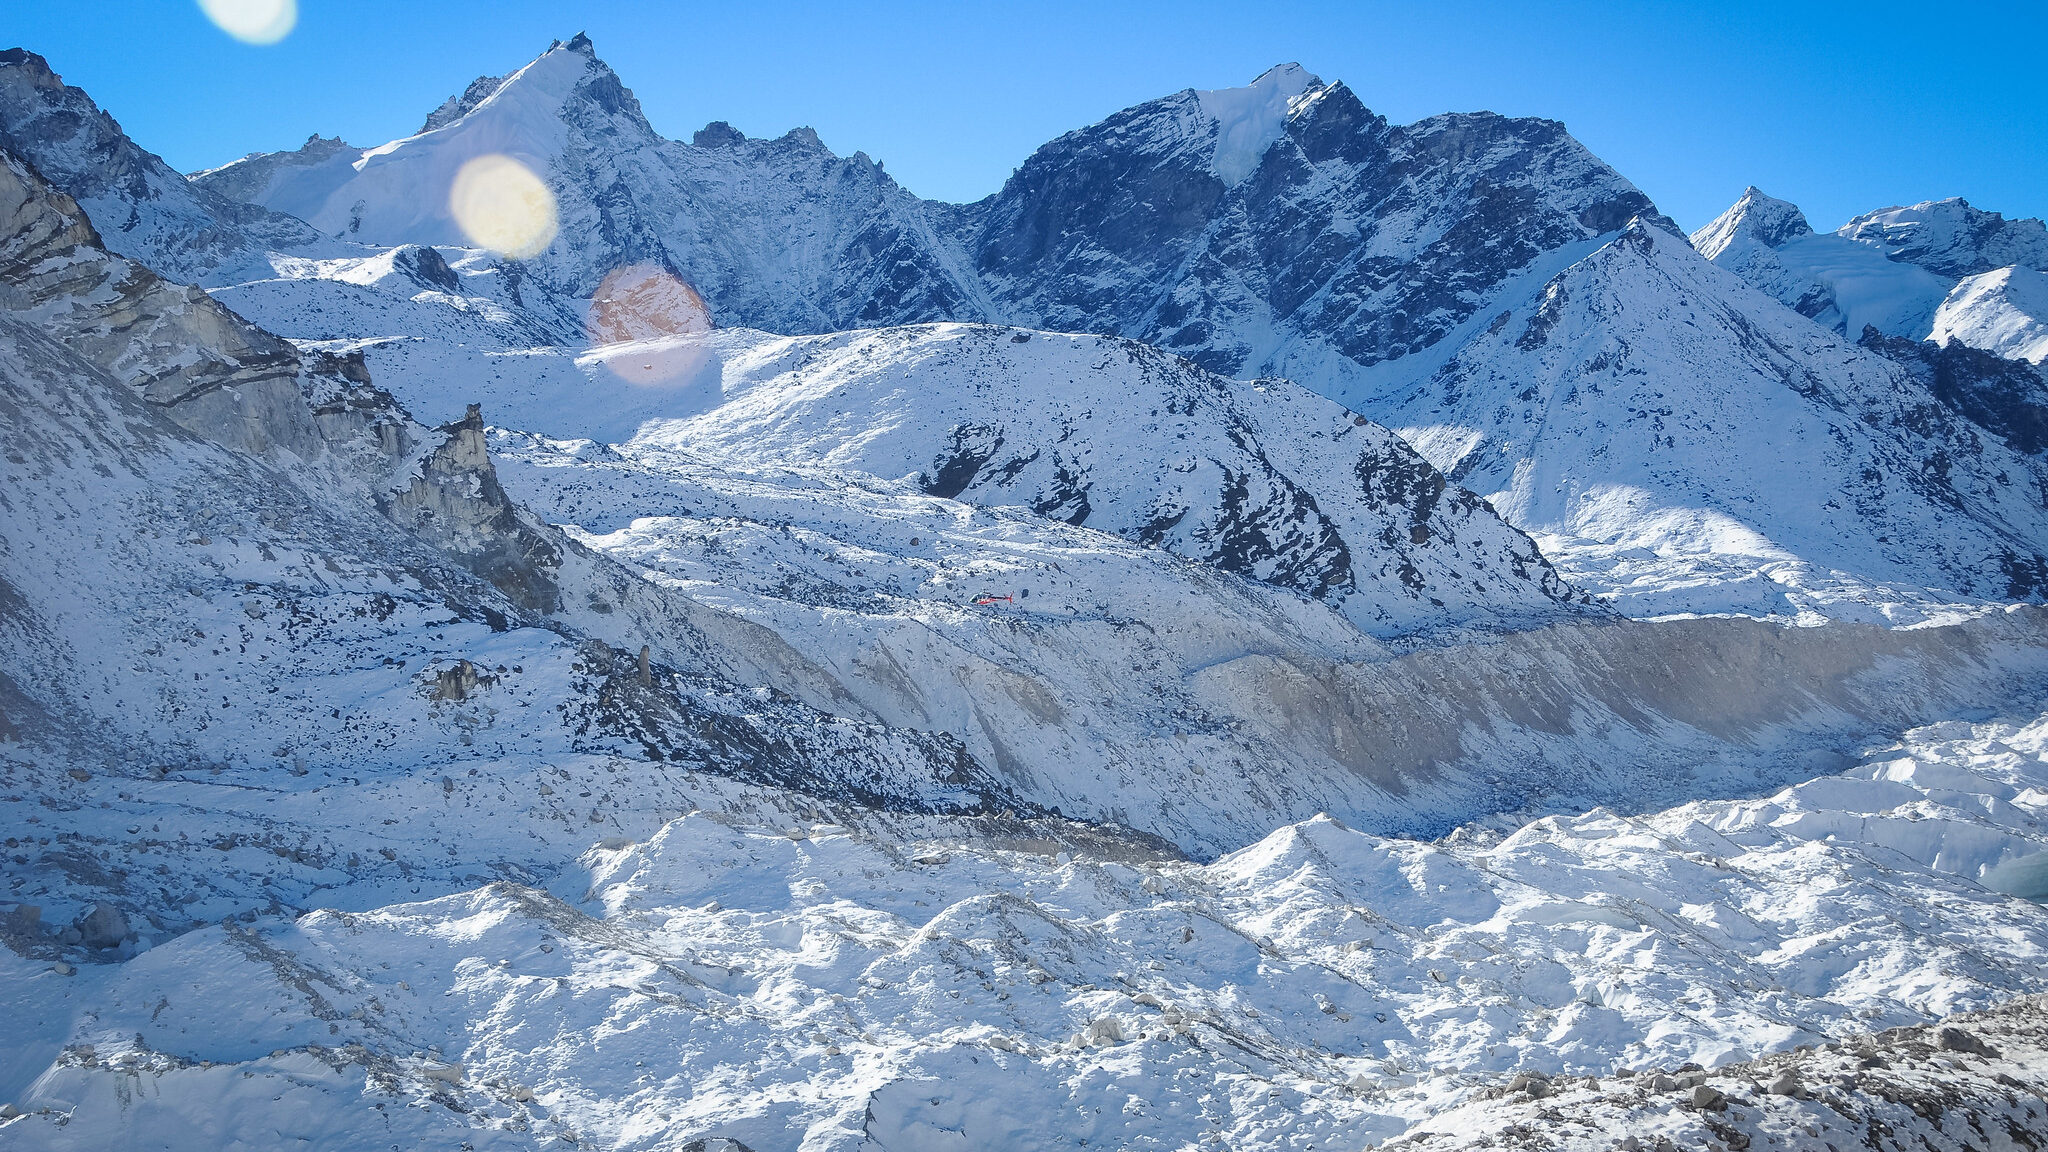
(455, 501)
(462, 103)
(548, 86)
(23, 58)
(1763, 218)
(718, 134)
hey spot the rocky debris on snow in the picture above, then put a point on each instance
(1974, 1080)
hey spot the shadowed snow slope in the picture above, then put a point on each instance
(794, 975)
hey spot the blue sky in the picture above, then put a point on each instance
(1838, 107)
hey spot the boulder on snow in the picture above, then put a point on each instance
(1787, 1084)
(1953, 1039)
(103, 926)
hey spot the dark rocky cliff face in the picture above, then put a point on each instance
(1374, 238)
(2006, 397)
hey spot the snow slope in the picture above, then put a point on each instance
(1679, 442)
(1263, 479)
(188, 495)
(2004, 312)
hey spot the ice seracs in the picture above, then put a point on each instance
(769, 964)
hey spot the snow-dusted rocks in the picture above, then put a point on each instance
(1939, 1085)
(1263, 479)
(1348, 241)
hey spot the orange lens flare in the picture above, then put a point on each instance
(640, 302)
(650, 308)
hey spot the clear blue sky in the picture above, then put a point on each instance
(1838, 107)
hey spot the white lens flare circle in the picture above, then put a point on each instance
(501, 205)
(253, 21)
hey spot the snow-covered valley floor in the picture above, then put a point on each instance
(719, 961)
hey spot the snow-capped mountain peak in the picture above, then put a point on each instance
(1764, 219)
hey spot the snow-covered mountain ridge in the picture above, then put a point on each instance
(1682, 443)
(1446, 231)
(1279, 228)
(1943, 271)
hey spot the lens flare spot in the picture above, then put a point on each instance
(501, 205)
(639, 302)
(649, 326)
(253, 21)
